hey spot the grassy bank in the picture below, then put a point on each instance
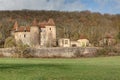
(104, 68)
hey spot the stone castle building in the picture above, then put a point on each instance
(41, 34)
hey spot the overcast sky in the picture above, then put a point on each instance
(103, 6)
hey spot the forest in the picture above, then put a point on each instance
(91, 25)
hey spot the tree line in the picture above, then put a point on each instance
(91, 25)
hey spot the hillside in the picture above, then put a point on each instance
(93, 26)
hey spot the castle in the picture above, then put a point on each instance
(42, 34)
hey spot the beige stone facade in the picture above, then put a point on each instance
(107, 42)
(83, 42)
(64, 42)
(23, 36)
(38, 34)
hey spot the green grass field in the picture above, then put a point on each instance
(104, 68)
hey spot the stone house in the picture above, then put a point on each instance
(40, 34)
(82, 42)
(64, 42)
(108, 40)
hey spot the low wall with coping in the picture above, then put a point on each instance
(51, 52)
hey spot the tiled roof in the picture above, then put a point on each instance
(108, 36)
(83, 37)
(23, 29)
(51, 22)
(28, 28)
(43, 24)
(34, 23)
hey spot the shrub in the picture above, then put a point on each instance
(26, 53)
(9, 42)
(119, 35)
(21, 49)
(78, 53)
(107, 51)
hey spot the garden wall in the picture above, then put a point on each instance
(51, 52)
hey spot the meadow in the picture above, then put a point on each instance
(102, 68)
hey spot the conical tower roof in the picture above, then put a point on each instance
(51, 22)
(15, 25)
(34, 23)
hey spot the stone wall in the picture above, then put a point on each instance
(53, 52)
(34, 35)
(50, 35)
(7, 52)
(22, 36)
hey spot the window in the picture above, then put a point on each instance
(50, 28)
(62, 41)
(74, 45)
(24, 35)
(66, 41)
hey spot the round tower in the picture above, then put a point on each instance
(35, 35)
